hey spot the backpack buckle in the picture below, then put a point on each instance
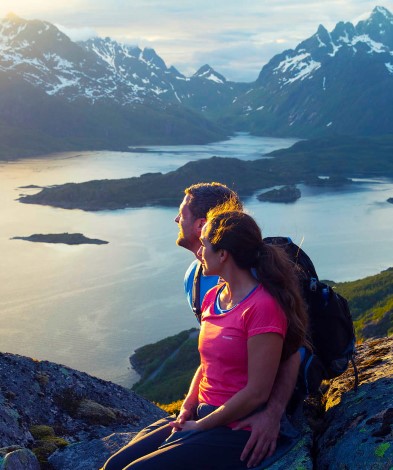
(313, 284)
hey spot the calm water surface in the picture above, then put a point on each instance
(90, 306)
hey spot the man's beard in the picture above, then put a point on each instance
(184, 242)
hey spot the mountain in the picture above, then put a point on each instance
(58, 95)
(338, 82)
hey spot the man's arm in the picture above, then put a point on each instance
(265, 425)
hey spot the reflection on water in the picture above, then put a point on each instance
(90, 306)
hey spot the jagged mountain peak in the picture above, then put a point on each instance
(322, 30)
(379, 26)
(209, 73)
(150, 56)
(383, 12)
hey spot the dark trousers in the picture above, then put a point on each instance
(218, 448)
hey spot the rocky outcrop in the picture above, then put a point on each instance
(357, 430)
(73, 405)
(345, 429)
(18, 459)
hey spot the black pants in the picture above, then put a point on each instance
(218, 448)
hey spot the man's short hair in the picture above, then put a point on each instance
(206, 196)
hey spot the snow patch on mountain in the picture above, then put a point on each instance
(374, 46)
(302, 65)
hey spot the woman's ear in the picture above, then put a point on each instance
(223, 255)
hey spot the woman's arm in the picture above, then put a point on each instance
(264, 353)
(190, 403)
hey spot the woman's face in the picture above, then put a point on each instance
(210, 259)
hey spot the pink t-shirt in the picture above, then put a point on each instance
(223, 342)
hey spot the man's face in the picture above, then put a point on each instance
(189, 227)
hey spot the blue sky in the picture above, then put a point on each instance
(236, 37)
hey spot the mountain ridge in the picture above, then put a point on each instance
(333, 83)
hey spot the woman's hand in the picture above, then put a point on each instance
(186, 413)
(191, 426)
(186, 426)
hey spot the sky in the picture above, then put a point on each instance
(235, 37)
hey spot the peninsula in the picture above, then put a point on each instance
(343, 157)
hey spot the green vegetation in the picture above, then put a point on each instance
(338, 157)
(167, 367)
(285, 194)
(45, 443)
(371, 303)
(171, 408)
(381, 449)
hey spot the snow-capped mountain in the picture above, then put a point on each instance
(99, 93)
(334, 82)
(95, 70)
(57, 94)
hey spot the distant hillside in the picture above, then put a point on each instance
(168, 366)
(303, 162)
(371, 302)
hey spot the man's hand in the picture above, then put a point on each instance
(265, 427)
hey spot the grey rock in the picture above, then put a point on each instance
(357, 431)
(89, 455)
(20, 459)
(12, 429)
(77, 405)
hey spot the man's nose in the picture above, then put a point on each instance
(177, 218)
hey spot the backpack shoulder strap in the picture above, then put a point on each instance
(196, 292)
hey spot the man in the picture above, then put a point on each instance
(265, 425)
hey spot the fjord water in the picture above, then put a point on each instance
(90, 306)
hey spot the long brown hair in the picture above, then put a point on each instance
(238, 233)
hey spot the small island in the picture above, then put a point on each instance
(289, 193)
(65, 238)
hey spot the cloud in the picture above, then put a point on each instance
(235, 37)
(78, 34)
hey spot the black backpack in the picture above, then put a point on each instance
(331, 329)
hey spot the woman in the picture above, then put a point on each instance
(250, 322)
